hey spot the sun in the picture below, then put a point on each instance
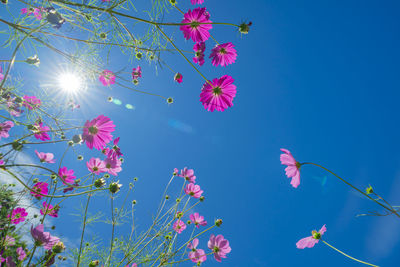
(70, 82)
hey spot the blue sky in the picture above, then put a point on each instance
(320, 79)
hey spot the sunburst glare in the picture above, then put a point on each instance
(70, 82)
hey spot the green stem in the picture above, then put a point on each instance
(348, 256)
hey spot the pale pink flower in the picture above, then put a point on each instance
(45, 157)
(5, 128)
(136, 72)
(199, 49)
(40, 131)
(197, 220)
(43, 238)
(195, 30)
(31, 102)
(50, 210)
(42, 188)
(21, 254)
(219, 246)
(115, 151)
(188, 174)
(179, 226)
(223, 54)
(293, 167)
(218, 94)
(67, 176)
(196, 255)
(310, 241)
(193, 190)
(96, 165)
(37, 12)
(113, 166)
(9, 241)
(97, 133)
(18, 215)
(178, 77)
(107, 77)
(194, 2)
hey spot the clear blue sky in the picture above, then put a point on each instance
(320, 79)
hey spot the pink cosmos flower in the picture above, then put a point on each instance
(113, 166)
(13, 107)
(31, 102)
(43, 238)
(310, 241)
(21, 254)
(73, 105)
(219, 246)
(96, 165)
(97, 133)
(37, 12)
(193, 190)
(179, 226)
(45, 157)
(197, 2)
(178, 77)
(40, 131)
(107, 77)
(218, 94)
(197, 31)
(1, 74)
(67, 176)
(50, 210)
(136, 72)
(196, 255)
(67, 189)
(115, 151)
(9, 241)
(40, 187)
(223, 54)
(5, 128)
(197, 220)
(293, 167)
(199, 49)
(188, 174)
(18, 215)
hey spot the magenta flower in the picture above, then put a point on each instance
(97, 133)
(136, 72)
(107, 77)
(96, 165)
(67, 189)
(310, 241)
(113, 166)
(31, 102)
(179, 226)
(43, 238)
(40, 131)
(1, 74)
(219, 246)
(37, 12)
(133, 265)
(40, 187)
(199, 49)
(21, 254)
(178, 77)
(193, 190)
(195, 30)
(223, 54)
(49, 210)
(45, 157)
(5, 128)
(197, 220)
(188, 174)
(115, 151)
(293, 167)
(218, 94)
(194, 2)
(67, 176)
(18, 215)
(196, 255)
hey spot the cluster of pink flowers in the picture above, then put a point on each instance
(18, 215)
(217, 244)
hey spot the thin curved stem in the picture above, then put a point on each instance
(348, 256)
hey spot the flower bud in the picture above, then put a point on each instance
(103, 35)
(17, 146)
(166, 197)
(202, 198)
(135, 81)
(77, 139)
(35, 180)
(80, 157)
(94, 263)
(369, 190)
(170, 100)
(218, 222)
(59, 247)
(178, 200)
(109, 99)
(106, 176)
(245, 27)
(134, 202)
(139, 55)
(136, 179)
(114, 187)
(99, 183)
